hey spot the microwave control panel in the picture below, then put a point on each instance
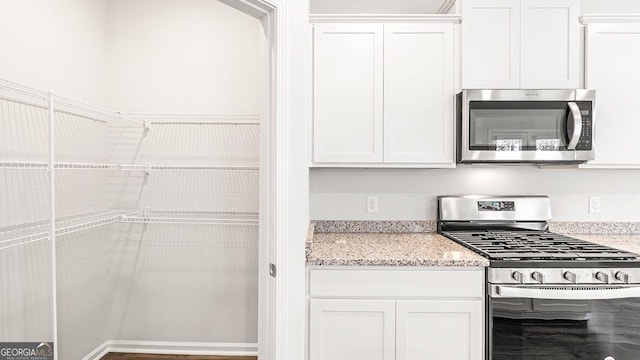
(586, 110)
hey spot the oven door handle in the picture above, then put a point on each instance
(565, 292)
(574, 125)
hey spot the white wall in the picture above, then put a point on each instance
(432, 6)
(56, 45)
(610, 7)
(185, 282)
(25, 314)
(83, 257)
(182, 56)
(134, 55)
(410, 194)
(191, 283)
(375, 6)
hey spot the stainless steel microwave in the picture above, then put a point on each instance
(525, 126)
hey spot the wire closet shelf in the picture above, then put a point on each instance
(149, 119)
(26, 233)
(12, 91)
(22, 94)
(147, 168)
(33, 232)
(194, 218)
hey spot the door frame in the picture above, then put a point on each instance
(273, 173)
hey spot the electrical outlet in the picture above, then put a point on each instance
(594, 204)
(372, 204)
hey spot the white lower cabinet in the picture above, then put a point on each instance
(439, 330)
(396, 314)
(353, 329)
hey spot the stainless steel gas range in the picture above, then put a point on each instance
(549, 296)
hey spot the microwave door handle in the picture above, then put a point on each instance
(565, 293)
(575, 118)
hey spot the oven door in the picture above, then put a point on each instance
(564, 322)
(514, 129)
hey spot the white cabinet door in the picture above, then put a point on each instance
(348, 93)
(352, 330)
(550, 44)
(490, 44)
(418, 93)
(450, 330)
(613, 70)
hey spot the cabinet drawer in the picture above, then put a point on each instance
(397, 283)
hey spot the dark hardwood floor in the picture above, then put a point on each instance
(126, 356)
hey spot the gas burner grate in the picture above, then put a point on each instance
(544, 245)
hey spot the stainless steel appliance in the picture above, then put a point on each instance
(549, 296)
(525, 126)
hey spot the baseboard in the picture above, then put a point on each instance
(176, 348)
(98, 352)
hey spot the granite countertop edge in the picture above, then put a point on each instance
(392, 243)
(398, 262)
(384, 244)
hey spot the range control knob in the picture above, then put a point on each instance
(537, 276)
(518, 276)
(570, 276)
(600, 276)
(622, 276)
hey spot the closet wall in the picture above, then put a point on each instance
(56, 44)
(182, 56)
(25, 280)
(195, 281)
(60, 45)
(185, 57)
(84, 257)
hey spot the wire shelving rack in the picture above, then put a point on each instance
(194, 218)
(34, 232)
(27, 165)
(49, 107)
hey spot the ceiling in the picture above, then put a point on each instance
(375, 6)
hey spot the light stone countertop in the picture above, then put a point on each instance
(388, 249)
(623, 242)
(382, 248)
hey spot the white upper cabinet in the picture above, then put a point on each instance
(490, 44)
(550, 44)
(384, 94)
(348, 93)
(613, 70)
(520, 44)
(418, 93)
